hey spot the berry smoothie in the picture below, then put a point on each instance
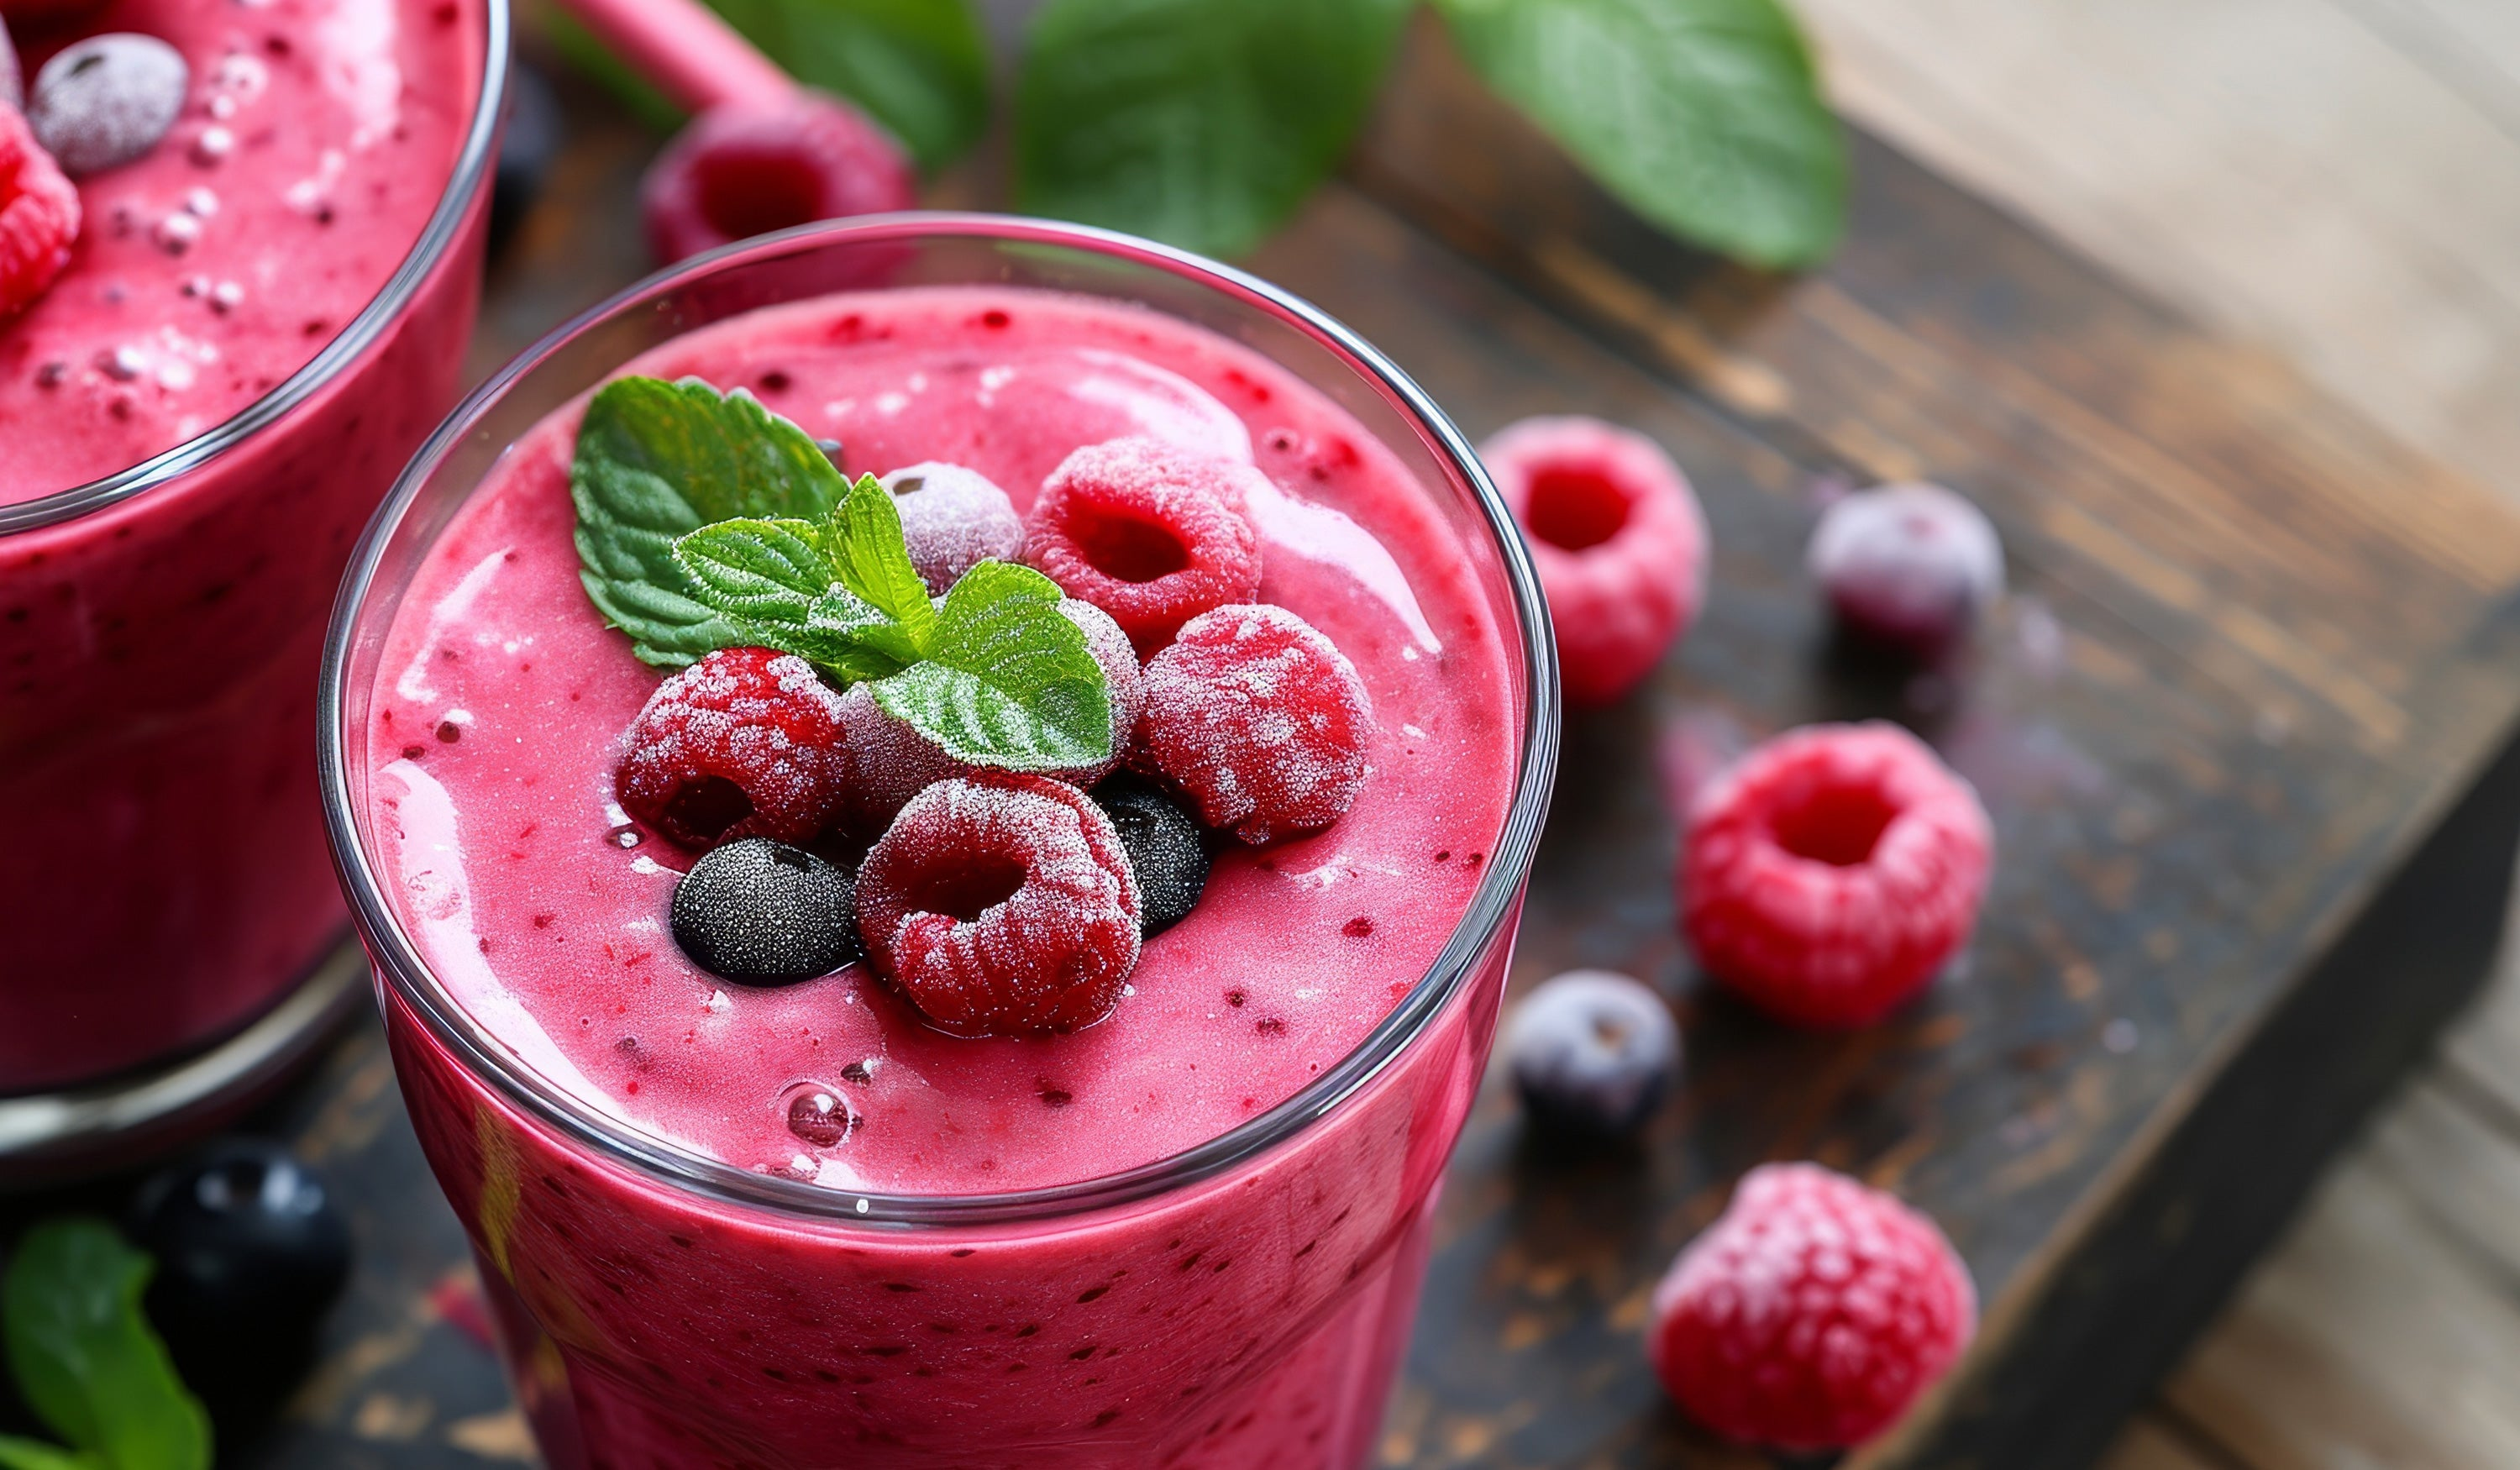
(1251, 1318)
(314, 197)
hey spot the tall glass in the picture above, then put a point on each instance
(1242, 1303)
(162, 847)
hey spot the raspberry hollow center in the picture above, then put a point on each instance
(969, 888)
(1836, 824)
(1126, 548)
(709, 805)
(743, 193)
(1575, 509)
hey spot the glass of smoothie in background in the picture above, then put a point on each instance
(262, 317)
(722, 1224)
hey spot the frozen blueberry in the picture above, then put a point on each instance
(1911, 566)
(105, 101)
(251, 1253)
(527, 145)
(1592, 1053)
(1164, 847)
(763, 913)
(954, 519)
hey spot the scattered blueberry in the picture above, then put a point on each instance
(1164, 846)
(1592, 1052)
(954, 519)
(1912, 566)
(763, 913)
(105, 101)
(250, 1254)
(527, 146)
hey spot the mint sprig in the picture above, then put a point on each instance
(86, 1359)
(692, 539)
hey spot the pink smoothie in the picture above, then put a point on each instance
(1249, 1322)
(158, 654)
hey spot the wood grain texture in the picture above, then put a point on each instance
(2336, 179)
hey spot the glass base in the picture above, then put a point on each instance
(55, 1138)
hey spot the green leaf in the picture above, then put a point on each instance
(656, 460)
(85, 1359)
(1010, 681)
(773, 585)
(34, 1454)
(1202, 122)
(921, 67)
(872, 557)
(1704, 115)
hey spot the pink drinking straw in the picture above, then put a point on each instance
(693, 56)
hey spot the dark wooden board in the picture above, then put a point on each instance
(2241, 727)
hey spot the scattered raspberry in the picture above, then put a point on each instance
(1002, 904)
(40, 216)
(1148, 533)
(745, 743)
(1255, 716)
(1618, 539)
(890, 760)
(954, 519)
(1812, 1314)
(102, 101)
(1911, 566)
(1831, 872)
(748, 169)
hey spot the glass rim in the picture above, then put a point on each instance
(1492, 906)
(462, 182)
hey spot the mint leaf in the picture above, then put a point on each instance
(921, 67)
(871, 555)
(771, 583)
(34, 1454)
(1009, 682)
(656, 460)
(1704, 115)
(1202, 122)
(86, 1359)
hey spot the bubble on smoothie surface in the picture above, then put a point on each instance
(107, 100)
(954, 519)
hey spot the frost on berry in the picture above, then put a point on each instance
(1811, 1314)
(890, 760)
(1834, 871)
(1914, 567)
(952, 519)
(1618, 540)
(1002, 904)
(745, 743)
(1259, 720)
(1148, 532)
(105, 101)
(40, 216)
(752, 167)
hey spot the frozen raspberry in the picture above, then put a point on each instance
(743, 743)
(954, 519)
(890, 761)
(746, 170)
(1912, 566)
(1618, 539)
(105, 101)
(1002, 904)
(1831, 872)
(1812, 1314)
(1259, 720)
(40, 216)
(1148, 533)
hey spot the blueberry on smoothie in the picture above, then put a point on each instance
(1592, 1053)
(1164, 846)
(763, 912)
(251, 1252)
(106, 100)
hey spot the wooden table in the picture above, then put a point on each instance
(2247, 728)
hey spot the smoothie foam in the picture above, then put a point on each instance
(497, 736)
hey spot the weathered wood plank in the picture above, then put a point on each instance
(2151, 1443)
